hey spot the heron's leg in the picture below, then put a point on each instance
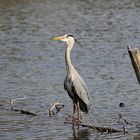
(73, 112)
(78, 112)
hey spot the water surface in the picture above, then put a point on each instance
(32, 65)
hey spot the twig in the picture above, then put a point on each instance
(75, 119)
(121, 117)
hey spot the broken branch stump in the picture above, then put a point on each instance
(135, 59)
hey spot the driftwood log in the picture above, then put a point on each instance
(135, 59)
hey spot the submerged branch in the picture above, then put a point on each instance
(104, 129)
(28, 113)
(101, 129)
(21, 110)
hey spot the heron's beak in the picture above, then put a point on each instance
(58, 38)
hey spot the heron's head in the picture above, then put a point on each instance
(69, 39)
(64, 38)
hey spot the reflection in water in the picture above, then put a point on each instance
(137, 137)
(80, 134)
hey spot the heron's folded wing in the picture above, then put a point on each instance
(81, 89)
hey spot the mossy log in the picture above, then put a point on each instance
(135, 59)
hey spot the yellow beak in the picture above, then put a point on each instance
(58, 38)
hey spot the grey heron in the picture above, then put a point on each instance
(73, 83)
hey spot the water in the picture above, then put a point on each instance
(32, 65)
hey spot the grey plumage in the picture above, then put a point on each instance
(77, 90)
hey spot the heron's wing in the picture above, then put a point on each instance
(65, 86)
(68, 85)
(67, 82)
(80, 89)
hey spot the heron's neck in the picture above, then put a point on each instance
(68, 60)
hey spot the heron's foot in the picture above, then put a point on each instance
(76, 120)
(73, 119)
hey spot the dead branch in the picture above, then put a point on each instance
(14, 100)
(104, 129)
(55, 108)
(28, 113)
(24, 112)
(101, 129)
(20, 110)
